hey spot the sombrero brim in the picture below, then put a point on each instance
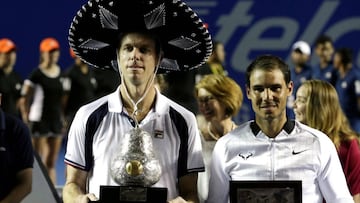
(95, 30)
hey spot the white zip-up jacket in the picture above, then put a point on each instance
(298, 152)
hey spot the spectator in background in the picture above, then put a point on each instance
(10, 81)
(219, 98)
(215, 63)
(331, 120)
(180, 86)
(82, 84)
(273, 147)
(42, 105)
(300, 71)
(348, 86)
(16, 159)
(106, 81)
(324, 50)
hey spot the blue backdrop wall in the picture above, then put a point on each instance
(247, 28)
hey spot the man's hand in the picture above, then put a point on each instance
(178, 200)
(85, 198)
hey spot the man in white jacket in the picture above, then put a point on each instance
(271, 147)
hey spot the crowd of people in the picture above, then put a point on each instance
(134, 75)
(336, 67)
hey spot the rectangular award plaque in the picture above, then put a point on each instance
(132, 194)
(265, 191)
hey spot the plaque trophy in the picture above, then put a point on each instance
(135, 168)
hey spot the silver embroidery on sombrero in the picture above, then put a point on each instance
(169, 64)
(156, 17)
(90, 4)
(91, 44)
(79, 14)
(108, 20)
(184, 43)
(197, 42)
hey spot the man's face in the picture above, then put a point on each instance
(268, 93)
(137, 58)
(7, 59)
(299, 58)
(325, 51)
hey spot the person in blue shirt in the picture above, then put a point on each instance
(16, 158)
(300, 72)
(348, 86)
(324, 50)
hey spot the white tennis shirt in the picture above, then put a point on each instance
(99, 127)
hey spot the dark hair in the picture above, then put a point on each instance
(322, 39)
(345, 54)
(268, 62)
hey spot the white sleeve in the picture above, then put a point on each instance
(195, 159)
(331, 179)
(219, 177)
(75, 151)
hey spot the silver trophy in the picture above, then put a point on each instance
(136, 163)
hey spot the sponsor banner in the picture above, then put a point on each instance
(246, 27)
(250, 28)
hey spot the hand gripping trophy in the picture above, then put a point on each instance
(120, 35)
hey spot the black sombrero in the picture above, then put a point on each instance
(95, 30)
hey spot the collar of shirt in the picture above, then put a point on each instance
(157, 113)
(288, 127)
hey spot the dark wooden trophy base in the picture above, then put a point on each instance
(131, 194)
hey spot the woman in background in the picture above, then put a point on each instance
(42, 105)
(317, 105)
(219, 99)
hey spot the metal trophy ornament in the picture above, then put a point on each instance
(136, 163)
(135, 168)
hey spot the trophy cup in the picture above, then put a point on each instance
(135, 168)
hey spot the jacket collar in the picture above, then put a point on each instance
(288, 126)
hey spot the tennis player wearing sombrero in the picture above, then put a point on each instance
(136, 38)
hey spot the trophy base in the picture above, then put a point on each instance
(132, 194)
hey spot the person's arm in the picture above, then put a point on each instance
(187, 189)
(331, 178)
(23, 187)
(24, 101)
(356, 198)
(351, 166)
(74, 190)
